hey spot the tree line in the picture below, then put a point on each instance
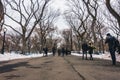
(33, 27)
(90, 20)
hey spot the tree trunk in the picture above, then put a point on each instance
(23, 45)
(93, 31)
(1, 11)
(113, 12)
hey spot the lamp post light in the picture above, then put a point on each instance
(3, 47)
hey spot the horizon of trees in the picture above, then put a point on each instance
(89, 20)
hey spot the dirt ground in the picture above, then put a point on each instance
(59, 68)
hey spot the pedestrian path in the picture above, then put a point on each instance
(97, 69)
(59, 68)
(45, 68)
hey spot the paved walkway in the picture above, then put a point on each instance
(59, 68)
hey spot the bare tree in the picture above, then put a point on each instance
(66, 34)
(42, 35)
(113, 18)
(92, 7)
(77, 18)
(1, 11)
(35, 46)
(1, 14)
(113, 24)
(26, 17)
(14, 43)
(113, 11)
(86, 21)
(101, 31)
(46, 25)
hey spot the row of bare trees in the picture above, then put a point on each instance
(89, 21)
(32, 22)
(114, 17)
(29, 19)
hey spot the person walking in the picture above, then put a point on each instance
(84, 50)
(46, 51)
(59, 51)
(63, 51)
(90, 50)
(111, 41)
(117, 43)
(53, 51)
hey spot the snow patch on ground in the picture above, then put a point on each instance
(106, 56)
(11, 56)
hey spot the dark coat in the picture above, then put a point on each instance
(59, 50)
(90, 49)
(53, 49)
(84, 47)
(63, 50)
(111, 42)
(45, 50)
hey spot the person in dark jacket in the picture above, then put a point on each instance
(59, 51)
(110, 40)
(90, 50)
(45, 51)
(63, 51)
(53, 50)
(84, 50)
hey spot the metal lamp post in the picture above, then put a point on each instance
(3, 47)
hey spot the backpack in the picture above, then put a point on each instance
(116, 42)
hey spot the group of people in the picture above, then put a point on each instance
(61, 51)
(87, 48)
(113, 45)
(45, 49)
(112, 42)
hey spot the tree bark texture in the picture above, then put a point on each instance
(113, 12)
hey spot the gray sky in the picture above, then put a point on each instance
(60, 4)
(60, 22)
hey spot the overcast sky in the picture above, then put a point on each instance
(60, 22)
(60, 4)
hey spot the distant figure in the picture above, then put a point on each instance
(63, 51)
(66, 51)
(45, 51)
(84, 50)
(90, 50)
(59, 51)
(111, 41)
(53, 51)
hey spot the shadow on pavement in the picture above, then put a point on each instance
(11, 67)
(3, 62)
